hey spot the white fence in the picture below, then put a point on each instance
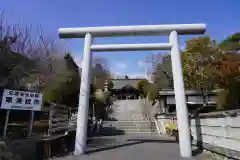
(218, 129)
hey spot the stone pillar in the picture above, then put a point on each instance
(82, 117)
(180, 98)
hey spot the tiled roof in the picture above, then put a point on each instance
(119, 83)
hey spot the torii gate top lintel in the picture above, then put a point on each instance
(112, 31)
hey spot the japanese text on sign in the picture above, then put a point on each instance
(21, 100)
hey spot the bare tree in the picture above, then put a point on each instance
(3, 26)
(100, 60)
(100, 71)
(23, 48)
(161, 69)
(154, 60)
(5, 30)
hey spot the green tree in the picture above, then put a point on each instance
(126, 77)
(110, 84)
(198, 62)
(228, 73)
(101, 101)
(207, 65)
(152, 91)
(70, 64)
(64, 87)
(231, 44)
(100, 75)
(142, 86)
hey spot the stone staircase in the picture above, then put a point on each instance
(127, 127)
(130, 110)
(129, 118)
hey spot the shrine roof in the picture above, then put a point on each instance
(120, 83)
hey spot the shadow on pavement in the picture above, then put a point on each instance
(113, 146)
(197, 151)
(96, 141)
(153, 140)
(104, 144)
(107, 131)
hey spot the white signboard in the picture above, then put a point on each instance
(21, 100)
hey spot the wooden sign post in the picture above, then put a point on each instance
(30, 123)
(21, 100)
(6, 125)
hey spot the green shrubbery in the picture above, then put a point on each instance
(147, 90)
(64, 87)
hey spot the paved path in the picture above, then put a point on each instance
(130, 148)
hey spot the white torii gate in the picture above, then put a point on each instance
(172, 30)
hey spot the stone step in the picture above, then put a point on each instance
(126, 128)
(132, 128)
(117, 131)
(129, 126)
(128, 132)
(120, 132)
(128, 122)
(115, 128)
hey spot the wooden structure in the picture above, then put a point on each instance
(124, 89)
(193, 98)
(59, 116)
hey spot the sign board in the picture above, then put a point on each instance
(58, 119)
(21, 100)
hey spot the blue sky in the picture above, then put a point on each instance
(221, 17)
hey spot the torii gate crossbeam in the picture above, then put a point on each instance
(173, 30)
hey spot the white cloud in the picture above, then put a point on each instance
(141, 64)
(121, 66)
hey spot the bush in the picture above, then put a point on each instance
(152, 91)
(221, 99)
(142, 86)
(229, 97)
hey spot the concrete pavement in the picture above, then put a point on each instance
(130, 148)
